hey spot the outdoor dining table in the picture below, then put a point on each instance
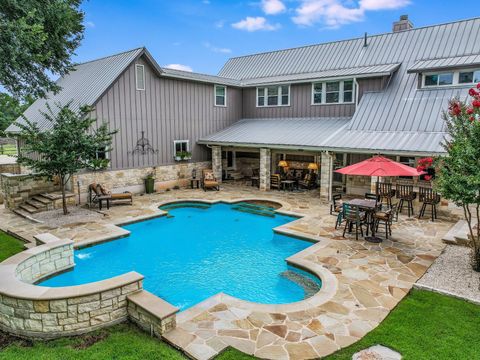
(369, 206)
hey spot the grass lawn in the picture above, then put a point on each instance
(9, 246)
(425, 325)
(8, 149)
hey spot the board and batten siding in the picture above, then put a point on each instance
(167, 110)
(301, 102)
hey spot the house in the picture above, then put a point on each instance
(329, 104)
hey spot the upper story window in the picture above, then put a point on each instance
(441, 79)
(140, 76)
(469, 77)
(181, 146)
(332, 92)
(273, 96)
(451, 78)
(220, 95)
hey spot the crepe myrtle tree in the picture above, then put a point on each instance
(459, 171)
(71, 144)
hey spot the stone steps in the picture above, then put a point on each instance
(36, 204)
(458, 234)
(29, 208)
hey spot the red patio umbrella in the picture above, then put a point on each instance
(379, 166)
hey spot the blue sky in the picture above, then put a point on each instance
(202, 34)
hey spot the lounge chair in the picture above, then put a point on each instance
(309, 181)
(98, 194)
(209, 181)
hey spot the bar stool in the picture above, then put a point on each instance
(428, 197)
(385, 191)
(405, 194)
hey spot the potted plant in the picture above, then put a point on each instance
(150, 183)
(183, 155)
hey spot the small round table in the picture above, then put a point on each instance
(288, 185)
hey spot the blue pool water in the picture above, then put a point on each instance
(194, 253)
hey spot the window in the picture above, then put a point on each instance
(140, 76)
(469, 77)
(332, 92)
(102, 153)
(442, 79)
(220, 95)
(409, 161)
(273, 96)
(181, 146)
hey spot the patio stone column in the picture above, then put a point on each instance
(217, 162)
(326, 176)
(265, 163)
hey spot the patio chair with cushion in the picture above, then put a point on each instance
(118, 197)
(98, 194)
(370, 196)
(385, 217)
(255, 178)
(308, 181)
(275, 182)
(336, 209)
(209, 181)
(353, 216)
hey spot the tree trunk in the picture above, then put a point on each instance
(64, 199)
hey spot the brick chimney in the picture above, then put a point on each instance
(402, 24)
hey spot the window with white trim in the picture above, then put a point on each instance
(332, 92)
(451, 78)
(140, 76)
(220, 95)
(180, 146)
(273, 96)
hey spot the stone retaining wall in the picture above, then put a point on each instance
(133, 179)
(17, 188)
(7, 169)
(41, 312)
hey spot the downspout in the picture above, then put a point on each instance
(330, 178)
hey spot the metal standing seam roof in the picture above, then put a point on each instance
(445, 63)
(400, 118)
(82, 87)
(373, 70)
(188, 75)
(294, 132)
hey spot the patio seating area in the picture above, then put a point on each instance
(370, 278)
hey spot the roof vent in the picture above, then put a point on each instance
(402, 24)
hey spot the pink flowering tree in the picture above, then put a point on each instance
(459, 171)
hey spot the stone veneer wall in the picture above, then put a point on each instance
(265, 171)
(7, 169)
(17, 188)
(132, 180)
(45, 313)
(150, 323)
(326, 173)
(217, 162)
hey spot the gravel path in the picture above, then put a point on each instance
(452, 274)
(76, 215)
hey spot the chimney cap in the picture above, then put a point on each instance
(404, 17)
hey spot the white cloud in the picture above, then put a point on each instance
(273, 7)
(383, 4)
(89, 24)
(217, 49)
(179, 67)
(334, 13)
(206, 2)
(255, 24)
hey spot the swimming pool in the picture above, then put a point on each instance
(199, 250)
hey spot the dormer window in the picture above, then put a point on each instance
(140, 76)
(333, 92)
(439, 79)
(220, 95)
(450, 78)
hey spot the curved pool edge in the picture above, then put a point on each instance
(34, 311)
(42, 301)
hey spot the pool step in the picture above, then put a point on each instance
(174, 206)
(254, 209)
(255, 212)
(309, 286)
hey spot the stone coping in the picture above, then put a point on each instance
(153, 304)
(12, 286)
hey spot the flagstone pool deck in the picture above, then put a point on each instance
(364, 281)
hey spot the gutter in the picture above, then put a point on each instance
(320, 148)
